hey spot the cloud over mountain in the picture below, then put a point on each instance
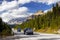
(10, 10)
(15, 13)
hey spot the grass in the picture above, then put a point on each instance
(49, 31)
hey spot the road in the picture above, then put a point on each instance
(36, 36)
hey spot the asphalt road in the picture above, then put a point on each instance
(36, 36)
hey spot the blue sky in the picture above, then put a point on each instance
(10, 9)
(34, 7)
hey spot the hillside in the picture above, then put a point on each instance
(5, 29)
(50, 22)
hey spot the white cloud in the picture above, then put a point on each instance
(7, 5)
(24, 1)
(43, 1)
(6, 16)
(12, 11)
(15, 13)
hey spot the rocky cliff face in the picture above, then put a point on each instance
(59, 3)
(39, 13)
(36, 14)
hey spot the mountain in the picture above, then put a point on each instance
(38, 13)
(50, 22)
(17, 20)
(21, 20)
(59, 3)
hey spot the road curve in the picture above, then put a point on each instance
(36, 36)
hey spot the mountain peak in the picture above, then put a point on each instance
(59, 3)
(40, 12)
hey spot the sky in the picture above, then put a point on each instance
(10, 9)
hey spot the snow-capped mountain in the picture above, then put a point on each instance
(17, 20)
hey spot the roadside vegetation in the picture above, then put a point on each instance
(5, 30)
(50, 22)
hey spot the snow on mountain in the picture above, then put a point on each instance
(17, 20)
